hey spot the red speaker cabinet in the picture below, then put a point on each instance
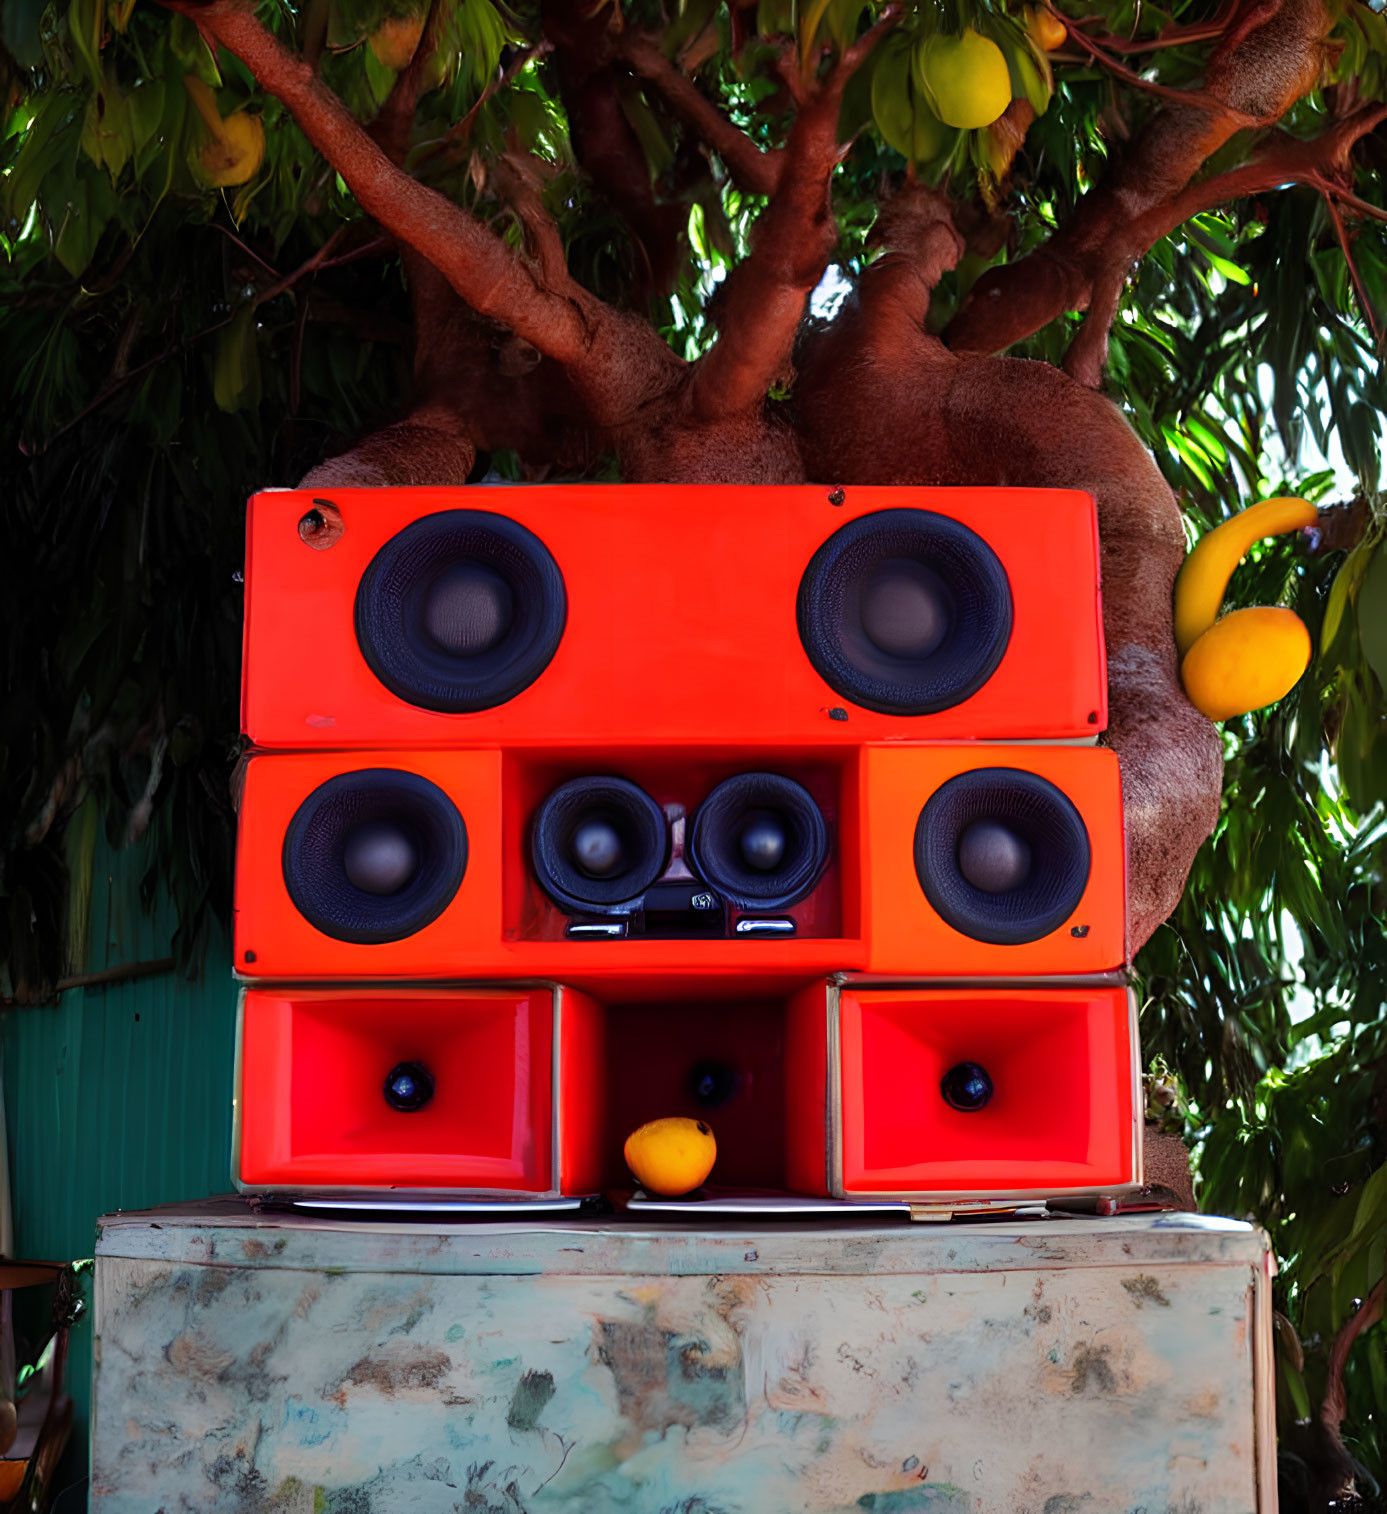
(958, 860)
(985, 1093)
(526, 1092)
(417, 1092)
(993, 861)
(616, 614)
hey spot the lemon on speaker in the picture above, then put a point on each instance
(1248, 659)
(672, 1156)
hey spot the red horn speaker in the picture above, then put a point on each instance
(417, 1090)
(419, 618)
(986, 1092)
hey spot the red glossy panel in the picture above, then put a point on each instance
(582, 1091)
(500, 923)
(905, 935)
(1061, 1116)
(313, 1067)
(681, 619)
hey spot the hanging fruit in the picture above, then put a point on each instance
(236, 147)
(965, 78)
(1250, 658)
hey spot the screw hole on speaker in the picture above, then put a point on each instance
(322, 526)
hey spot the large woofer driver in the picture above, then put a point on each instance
(1002, 855)
(598, 843)
(460, 611)
(375, 855)
(906, 612)
(760, 840)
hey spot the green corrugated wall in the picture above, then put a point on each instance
(116, 1097)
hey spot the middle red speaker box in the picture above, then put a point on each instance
(654, 865)
(419, 618)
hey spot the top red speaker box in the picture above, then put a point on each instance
(611, 614)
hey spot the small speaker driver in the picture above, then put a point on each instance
(760, 840)
(597, 843)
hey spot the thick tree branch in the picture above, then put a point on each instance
(1200, 100)
(752, 169)
(618, 360)
(1268, 58)
(1281, 160)
(606, 144)
(763, 300)
(1335, 1404)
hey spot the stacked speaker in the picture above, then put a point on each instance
(570, 808)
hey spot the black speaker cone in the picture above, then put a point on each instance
(966, 1087)
(1002, 855)
(905, 611)
(993, 857)
(760, 840)
(408, 1087)
(468, 608)
(379, 857)
(597, 843)
(460, 611)
(374, 856)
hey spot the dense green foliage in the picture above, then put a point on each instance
(169, 347)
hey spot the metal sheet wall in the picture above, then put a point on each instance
(117, 1096)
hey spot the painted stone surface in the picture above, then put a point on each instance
(956, 1369)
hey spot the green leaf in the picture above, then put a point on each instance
(1371, 608)
(186, 44)
(236, 363)
(20, 30)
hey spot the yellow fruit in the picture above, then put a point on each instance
(1247, 660)
(235, 155)
(1046, 29)
(395, 40)
(965, 78)
(236, 147)
(1204, 574)
(671, 1156)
